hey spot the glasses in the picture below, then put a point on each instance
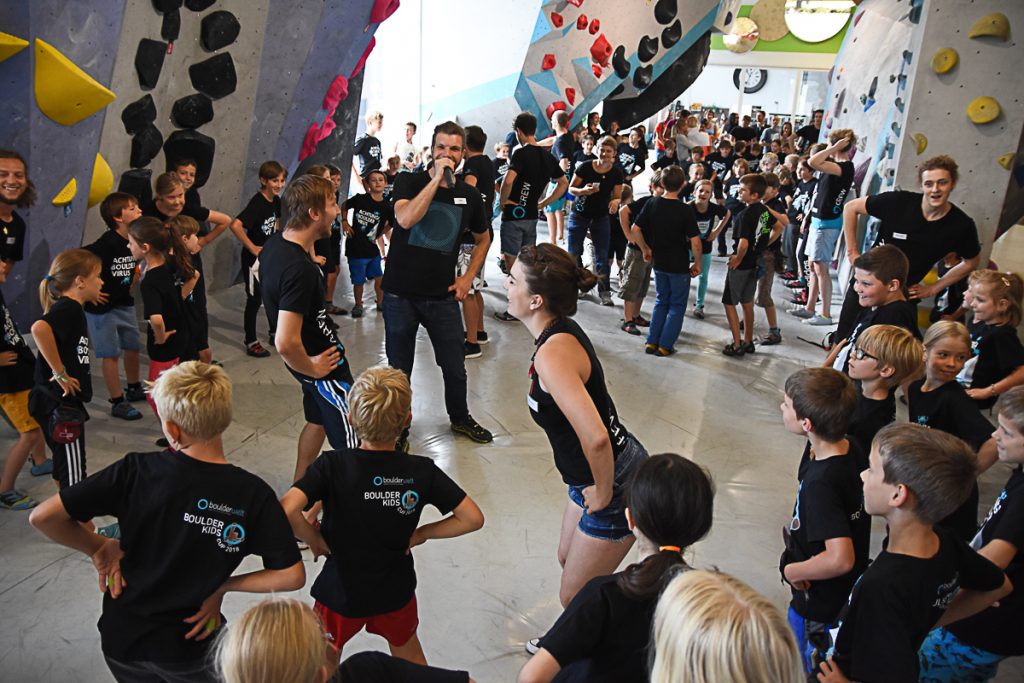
(861, 354)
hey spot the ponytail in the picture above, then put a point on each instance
(161, 237)
(66, 268)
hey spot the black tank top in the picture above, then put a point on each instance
(569, 457)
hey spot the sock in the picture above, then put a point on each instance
(119, 399)
(775, 330)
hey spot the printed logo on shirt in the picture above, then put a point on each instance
(946, 592)
(368, 222)
(228, 536)
(204, 504)
(123, 268)
(269, 226)
(11, 335)
(405, 502)
(82, 350)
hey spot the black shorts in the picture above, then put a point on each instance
(617, 242)
(739, 287)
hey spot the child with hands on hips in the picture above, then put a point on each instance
(998, 363)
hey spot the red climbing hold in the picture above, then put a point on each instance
(601, 50)
(382, 9)
(595, 26)
(575, 3)
(581, 22)
(309, 141)
(555, 106)
(597, 70)
(362, 60)
(549, 62)
(336, 93)
(570, 94)
(557, 20)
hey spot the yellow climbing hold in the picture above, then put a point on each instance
(10, 45)
(995, 25)
(65, 196)
(944, 60)
(983, 110)
(1006, 160)
(921, 140)
(64, 92)
(102, 182)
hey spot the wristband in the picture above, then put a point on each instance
(61, 376)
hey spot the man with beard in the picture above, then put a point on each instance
(16, 191)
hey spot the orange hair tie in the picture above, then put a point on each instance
(673, 548)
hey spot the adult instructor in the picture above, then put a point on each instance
(924, 225)
(420, 286)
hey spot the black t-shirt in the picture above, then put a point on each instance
(161, 295)
(897, 313)
(634, 207)
(897, 601)
(422, 257)
(12, 238)
(186, 525)
(802, 193)
(631, 159)
(194, 206)
(372, 503)
(570, 460)
(565, 147)
(71, 334)
(998, 629)
(667, 226)
(829, 504)
(21, 375)
(534, 167)
(117, 271)
(997, 352)
(367, 154)
(148, 208)
(809, 134)
(579, 157)
(290, 281)
(744, 133)
(869, 417)
(482, 168)
(596, 205)
(664, 162)
(731, 190)
(707, 221)
(831, 193)
(923, 242)
(369, 221)
(602, 635)
(382, 668)
(260, 218)
(194, 311)
(751, 222)
(720, 166)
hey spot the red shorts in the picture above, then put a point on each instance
(396, 627)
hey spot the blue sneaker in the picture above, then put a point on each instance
(125, 410)
(16, 500)
(43, 468)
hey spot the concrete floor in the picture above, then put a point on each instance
(483, 595)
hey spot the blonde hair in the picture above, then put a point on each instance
(196, 397)
(1008, 286)
(379, 404)
(710, 627)
(375, 116)
(302, 194)
(837, 135)
(66, 268)
(895, 347)
(944, 329)
(277, 640)
(184, 226)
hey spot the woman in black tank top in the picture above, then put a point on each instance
(593, 452)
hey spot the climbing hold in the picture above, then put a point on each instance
(67, 193)
(642, 77)
(620, 63)
(309, 141)
(64, 92)
(601, 50)
(171, 26)
(336, 93)
(597, 70)
(595, 26)
(362, 58)
(145, 146)
(191, 144)
(382, 9)
(944, 60)
(1006, 160)
(575, 3)
(199, 5)
(192, 111)
(908, 56)
(164, 6)
(899, 103)
(548, 62)
(570, 94)
(10, 45)
(581, 22)
(619, 89)
(555, 106)
(214, 77)
(138, 114)
(995, 25)
(138, 182)
(983, 110)
(665, 11)
(647, 48)
(149, 60)
(218, 29)
(671, 35)
(770, 17)
(102, 182)
(896, 128)
(557, 20)
(920, 142)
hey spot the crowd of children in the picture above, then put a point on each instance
(359, 505)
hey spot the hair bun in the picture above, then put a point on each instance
(585, 279)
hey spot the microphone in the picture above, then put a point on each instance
(449, 177)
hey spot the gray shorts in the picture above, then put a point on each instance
(635, 279)
(764, 283)
(518, 234)
(739, 287)
(821, 243)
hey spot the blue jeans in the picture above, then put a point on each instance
(442, 319)
(600, 233)
(702, 283)
(673, 291)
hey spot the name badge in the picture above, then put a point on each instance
(899, 235)
(460, 200)
(530, 401)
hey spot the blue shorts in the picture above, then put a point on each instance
(558, 204)
(610, 523)
(821, 242)
(115, 331)
(813, 639)
(363, 269)
(947, 659)
(325, 403)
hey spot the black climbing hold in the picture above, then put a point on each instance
(214, 77)
(199, 5)
(138, 114)
(620, 63)
(647, 48)
(642, 76)
(192, 111)
(619, 90)
(665, 11)
(145, 145)
(149, 60)
(190, 144)
(219, 29)
(171, 27)
(138, 182)
(728, 18)
(671, 35)
(164, 6)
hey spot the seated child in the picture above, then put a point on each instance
(998, 363)
(188, 518)
(373, 497)
(827, 538)
(916, 476)
(604, 632)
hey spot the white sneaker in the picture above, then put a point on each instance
(533, 646)
(801, 312)
(819, 320)
(606, 298)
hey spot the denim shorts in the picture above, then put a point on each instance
(821, 240)
(362, 269)
(517, 234)
(115, 331)
(609, 524)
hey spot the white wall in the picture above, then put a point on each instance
(714, 87)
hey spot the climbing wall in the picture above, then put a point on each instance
(584, 52)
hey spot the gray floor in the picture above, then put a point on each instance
(483, 595)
